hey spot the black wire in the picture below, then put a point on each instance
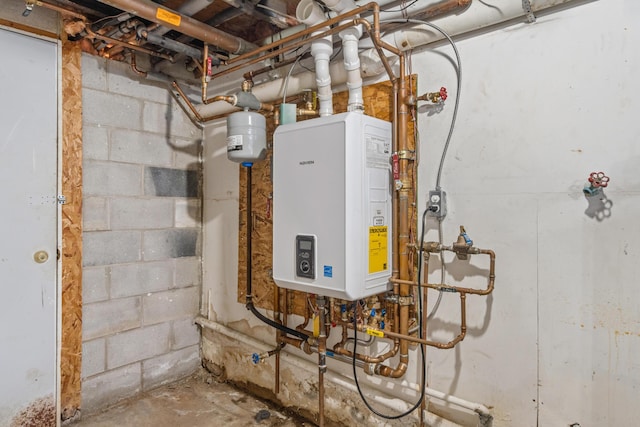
(402, 9)
(249, 296)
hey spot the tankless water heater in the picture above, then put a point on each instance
(332, 206)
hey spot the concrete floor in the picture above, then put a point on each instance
(195, 402)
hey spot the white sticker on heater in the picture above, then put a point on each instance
(234, 143)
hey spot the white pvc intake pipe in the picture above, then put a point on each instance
(350, 39)
(341, 379)
(309, 13)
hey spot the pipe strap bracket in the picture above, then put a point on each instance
(526, 6)
(407, 155)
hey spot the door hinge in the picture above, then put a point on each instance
(62, 199)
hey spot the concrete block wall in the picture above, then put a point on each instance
(142, 233)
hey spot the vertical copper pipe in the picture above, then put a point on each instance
(403, 209)
(322, 363)
(203, 78)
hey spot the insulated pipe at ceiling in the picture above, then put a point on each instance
(477, 16)
(188, 8)
(154, 12)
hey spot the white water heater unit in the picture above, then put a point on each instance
(332, 206)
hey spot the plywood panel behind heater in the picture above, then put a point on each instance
(378, 103)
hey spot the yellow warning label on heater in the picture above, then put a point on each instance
(168, 17)
(378, 241)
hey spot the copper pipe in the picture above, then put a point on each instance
(463, 327)
(249, 75)
(61, 10)
(273, 50)
(128, 45)
(366, 358)
(274, 53)
(322, 363)
(451, 288)
(203, 77)
(378, 333)
(184, 24)
(135, 68)
(297, 343)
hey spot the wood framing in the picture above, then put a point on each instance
(71, 355)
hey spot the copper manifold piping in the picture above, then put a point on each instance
(270, 50)
(366, 358)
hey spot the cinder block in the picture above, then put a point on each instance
(110, 247)
(95, 143)
(187, 213)
(140, 147)
(170, 305)
(93, 357)
(188, 272)
(174, 243)
(95, 214)
(94, 72)
(187, 153)
(169, 367)
(132, 213)
(185, 333)
(168, 119)
(110, 317)
(165, 182)
(120, 79)
(95, 284)
(112, 110)
(140, 278)
(138, 344)
(106, 179)
(110, 387)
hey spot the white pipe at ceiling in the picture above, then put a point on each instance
(478, 16)
(309, 13)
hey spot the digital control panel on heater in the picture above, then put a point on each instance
(305, 257)
(332, 206)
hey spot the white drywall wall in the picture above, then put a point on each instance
(543, 105)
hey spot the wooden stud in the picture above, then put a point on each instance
(71, 357)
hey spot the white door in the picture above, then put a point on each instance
(28, 229)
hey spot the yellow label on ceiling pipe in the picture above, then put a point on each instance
(375, 333)
(168, 17)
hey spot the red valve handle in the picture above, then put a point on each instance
(443, 93)
(598, 179)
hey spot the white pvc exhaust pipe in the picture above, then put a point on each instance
(310, 14)
(350, 40)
